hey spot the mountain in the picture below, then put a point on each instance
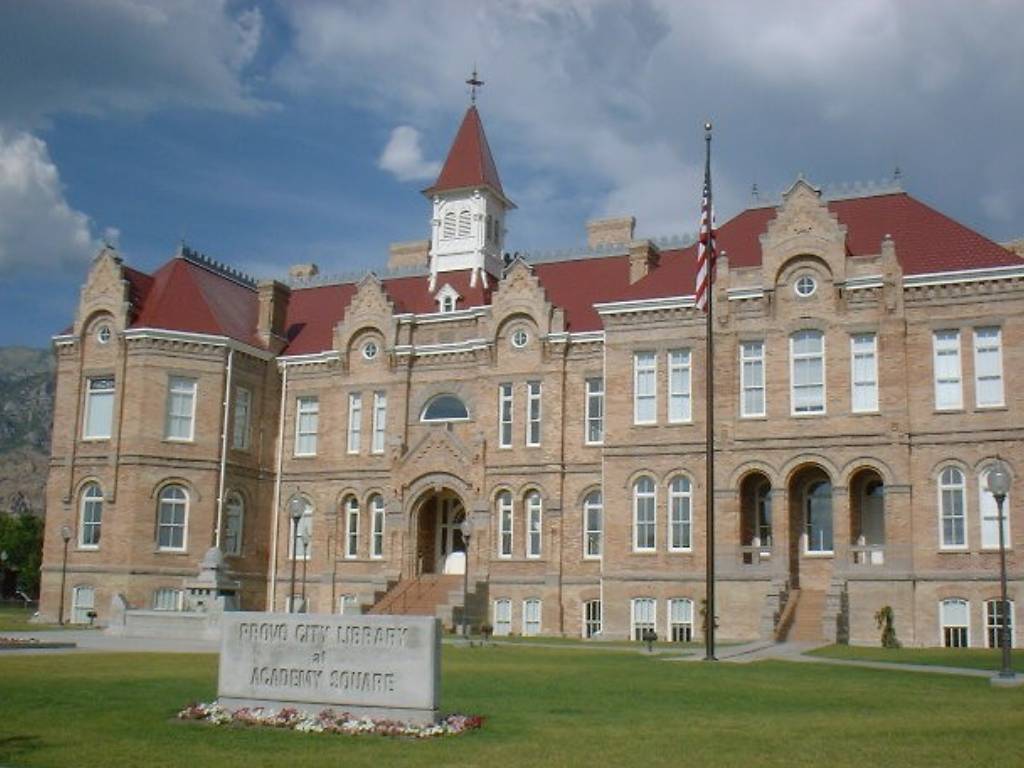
(26, 417)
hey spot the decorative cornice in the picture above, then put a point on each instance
(312, 358)
(197, 338)
(217, 267)
(580, 337)
(445, 348)
(741, 294)
(864, 281)
(644, 305)
(1008, 272)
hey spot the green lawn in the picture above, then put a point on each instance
(14, 618)
(550, 707)
(968, 658)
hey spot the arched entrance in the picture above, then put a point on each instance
(440, 547)
(810, 518)
(867, 517)
(756, 510)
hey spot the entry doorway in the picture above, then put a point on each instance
(440, 544)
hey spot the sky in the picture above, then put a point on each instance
(266, 134)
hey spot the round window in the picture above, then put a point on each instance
(805, 286)
(103, 334)
(370, 350)
(520, 338)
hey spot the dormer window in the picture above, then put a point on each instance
(447, 299)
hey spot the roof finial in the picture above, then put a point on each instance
(474, 82)
(897, 175)
(754, 192)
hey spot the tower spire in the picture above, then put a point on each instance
(473, 82)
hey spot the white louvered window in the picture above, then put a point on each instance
(946, 363)
(679, 401)
(448, 228)
(864, 372)
(465, 227)
(752, 403)
(988, 367)
(645, 397)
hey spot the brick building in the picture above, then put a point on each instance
(869, 354)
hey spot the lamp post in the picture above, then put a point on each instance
(65, 534)
(296, 508)
(466, 528)
(999, 486)
(304, 537)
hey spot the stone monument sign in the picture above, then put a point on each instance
(386, 667)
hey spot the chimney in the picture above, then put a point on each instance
(273, 311)
(408, 255)
(610, 231)
(303, 271)
(643, 256)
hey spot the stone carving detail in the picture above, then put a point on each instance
(520, 292)
(105, 290)
(441, 451)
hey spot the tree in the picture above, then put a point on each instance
(885, 619)
(21, 537)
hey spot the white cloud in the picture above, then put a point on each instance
(38, 229)
(100, 56)
(403, 157)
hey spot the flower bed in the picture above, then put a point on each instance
(327, 721)
(17, 643)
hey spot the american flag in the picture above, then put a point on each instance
(705, 246)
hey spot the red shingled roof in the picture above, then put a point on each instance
(185, 296)
(470, 162)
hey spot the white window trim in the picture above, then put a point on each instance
(633, 623)
(355, 423)
(243, 429)
(377, 512)
(587, 530)
(792, 377)
(669, 622)
(89, 395)
(352, 537)
(184, 528)
(81, 514)
(853, 368)
(507, 603)
(380, 417)
(506, 396)
(966, 516)
(636, 508)
(960, 370)
(533, 503)
(533, 397)
(653, 396)
(743, 381)
(977, 379)
(584, 620)
(1013, 623)
(672, 495)
(302, 402)
(76, 604)
(1007, 538)
(192, 416)
(687, 368)
(540, 617)
(501, 524)
(942, 624)
(588, 416)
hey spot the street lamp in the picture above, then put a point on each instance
(999, 486)
(296, 508)
(65, 533)
(466, 528)
(304, 538)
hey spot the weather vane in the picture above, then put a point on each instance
(474, 82)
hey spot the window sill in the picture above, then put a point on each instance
(964, 550)
(591, 558)
(875, 412)
(96, 439)
(820, 555)
(161, 551)
(304, 456)
(682, 551)
(808, 415)
(947, 411)
(754, 417)
(994, 550)
(991, 408)
(593, 445)
(645, 551)
(645, 423)
(87, 548)
(180, 440)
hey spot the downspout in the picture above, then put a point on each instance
(272, 590)
(604, 494)
(224, 446)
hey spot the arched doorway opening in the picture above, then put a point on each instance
(810, 517)
(756, 516)
(867, 517)
(440, 547)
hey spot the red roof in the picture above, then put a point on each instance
(470, 162)
(184, 295)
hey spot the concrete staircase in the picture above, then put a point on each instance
(801, 620)
(421, 596)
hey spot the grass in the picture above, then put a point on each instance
(967, 658)
(545, 706)
(14, 618)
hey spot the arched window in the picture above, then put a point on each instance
(298, 528)
(448, 226)
(464, 223)
(952, 509)
(502, 617)
(531, 617)
(680, 508)
(763, 511)
(593, 524)
(445, 408)
(990, 515)
(955, 620)
(377, 540)
(533, 524)
(83, 601)
(504, 503)
(172, 519)
(644, 504)
(234, 512)
(92, 517)
(643, 616)
(351, 527)
(680, 620)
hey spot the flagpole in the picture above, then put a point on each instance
(709, 459)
